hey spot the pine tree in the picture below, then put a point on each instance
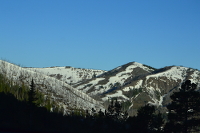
(184, 109)
(31, 93)
(100, 114)
(31, 98)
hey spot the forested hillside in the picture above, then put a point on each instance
(62, 96)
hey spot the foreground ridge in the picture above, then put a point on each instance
(64, 95)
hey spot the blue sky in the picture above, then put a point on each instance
(100, 34)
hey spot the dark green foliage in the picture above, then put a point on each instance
(147, 120)
(24, 93)
(115, 111)
(48, 104)
(184, 111)
(100, 114)
(158, 123)
(19, 91)
(14, 116)
(32, 94)
(39, 101)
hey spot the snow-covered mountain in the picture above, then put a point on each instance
(134, 83)
(139, 84)
(68, 74)
(111, 81)
(63, 94)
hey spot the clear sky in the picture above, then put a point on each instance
(100, 34)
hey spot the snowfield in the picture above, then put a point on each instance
(68, 74)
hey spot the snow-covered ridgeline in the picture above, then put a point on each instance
(119, 79)
(59, 91)
(136, 64)
(70, 75)
(174, 73)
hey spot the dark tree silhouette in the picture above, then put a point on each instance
(31, 94)
(115, 111)
(184, 110)
(111, 108)
(118, 108)
(100, 114)
(31, 99)
(148, 121)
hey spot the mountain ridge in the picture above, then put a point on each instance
(155, 84)
(68, 74)
(132, 82)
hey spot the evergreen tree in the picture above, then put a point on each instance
(100, 114)
(31, 98)
(117, 107)
(115, 111)
(184, 109)
(31, 93)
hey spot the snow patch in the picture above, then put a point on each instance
(117, 94)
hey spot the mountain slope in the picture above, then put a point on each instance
(134, 83)
(69, 75)
(139, 84)
(113, 80)
(65, 96)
